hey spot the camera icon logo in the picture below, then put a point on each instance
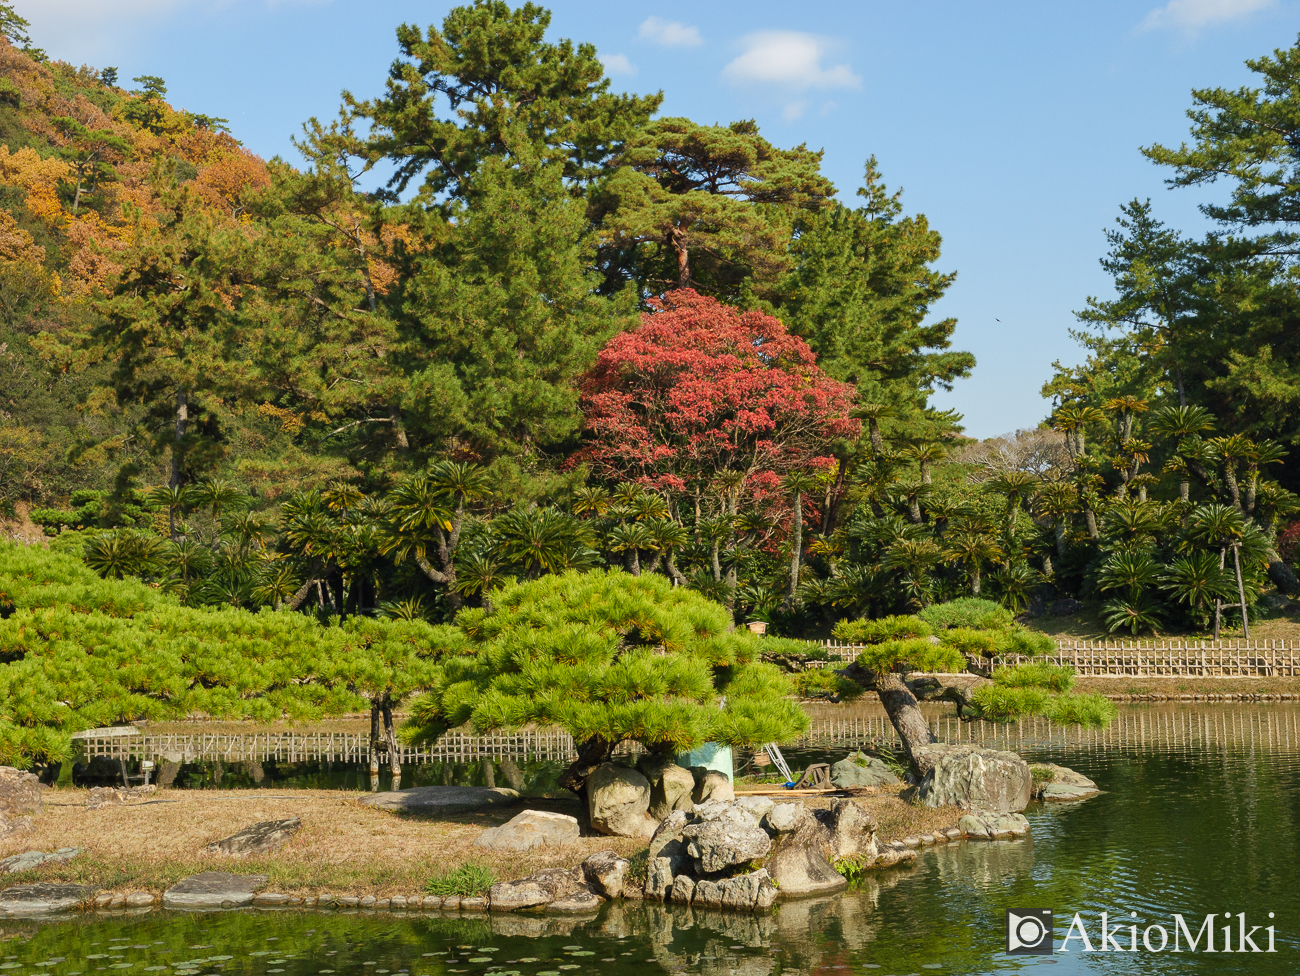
(1029, 931)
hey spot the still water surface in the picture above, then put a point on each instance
(1190, 823)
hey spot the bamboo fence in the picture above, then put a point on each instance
(1232, 658)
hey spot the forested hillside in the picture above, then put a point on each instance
(570, 333)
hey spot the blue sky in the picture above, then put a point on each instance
(1014, 127)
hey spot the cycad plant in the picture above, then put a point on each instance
(1130, 575)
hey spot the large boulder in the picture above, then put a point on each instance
(743, 892)
(618, 801)
(438, 801)
(530, 829)
(973, 778)
(711, 785)
(670, 787)
(733, 837)
(860, 770)
(805, 852)
(21, 793)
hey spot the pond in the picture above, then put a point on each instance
(1192, 822)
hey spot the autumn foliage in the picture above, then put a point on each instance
(701, 387)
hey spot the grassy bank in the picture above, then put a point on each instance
(342, 848)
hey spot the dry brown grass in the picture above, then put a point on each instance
(343, 847)
(897, 818)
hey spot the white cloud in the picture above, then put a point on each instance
(1192, 14)
(669, 33)
(791, 59)
(617, 64)
(795, 110)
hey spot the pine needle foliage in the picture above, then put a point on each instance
(611, 657)
(80, 652)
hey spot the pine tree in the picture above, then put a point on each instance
(610, 658)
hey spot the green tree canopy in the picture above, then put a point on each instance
(509, 91)
(610, 658)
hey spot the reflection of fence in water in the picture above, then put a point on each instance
(1160, 728)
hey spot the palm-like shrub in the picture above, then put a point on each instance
(610, 658)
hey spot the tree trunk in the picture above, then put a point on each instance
(1091, 518)
(830, 514)
(1230, 479)
(374, 737)
(975, 580)
(390, 738)
(1281, 574)
(1218, 601)
(1241, 591)
(796, 552)
(182, 422)
(877, 442)
(1060, 539)
(677, 238)
(634, 561)
(673, 571)
(591, 753)
(399, 431)
(1047, 564)
(904, 714)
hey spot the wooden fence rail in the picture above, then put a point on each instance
(1233, 658)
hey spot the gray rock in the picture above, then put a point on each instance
(513, 896)
(42, 899)
(785, 817)
(21, 793)
(578, 903)
(659, 878)
(988, 826)
(860, 770)
(759, 806)
(853, 830)
(799, 869)
(1065, 784)
(973, 778)
(259, 838)
(531, 829)
(109, 796)
(140, 899)
(34, 859)
(1066, 792)
(683, 889)
(744, 892)
(435, 801)
(618, 799)
(733, 838)
(214, 889)
(606, 873)
(670, 787)
(711, 785)
(476, 903)
(16, 826)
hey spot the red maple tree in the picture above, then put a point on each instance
(700, 387)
